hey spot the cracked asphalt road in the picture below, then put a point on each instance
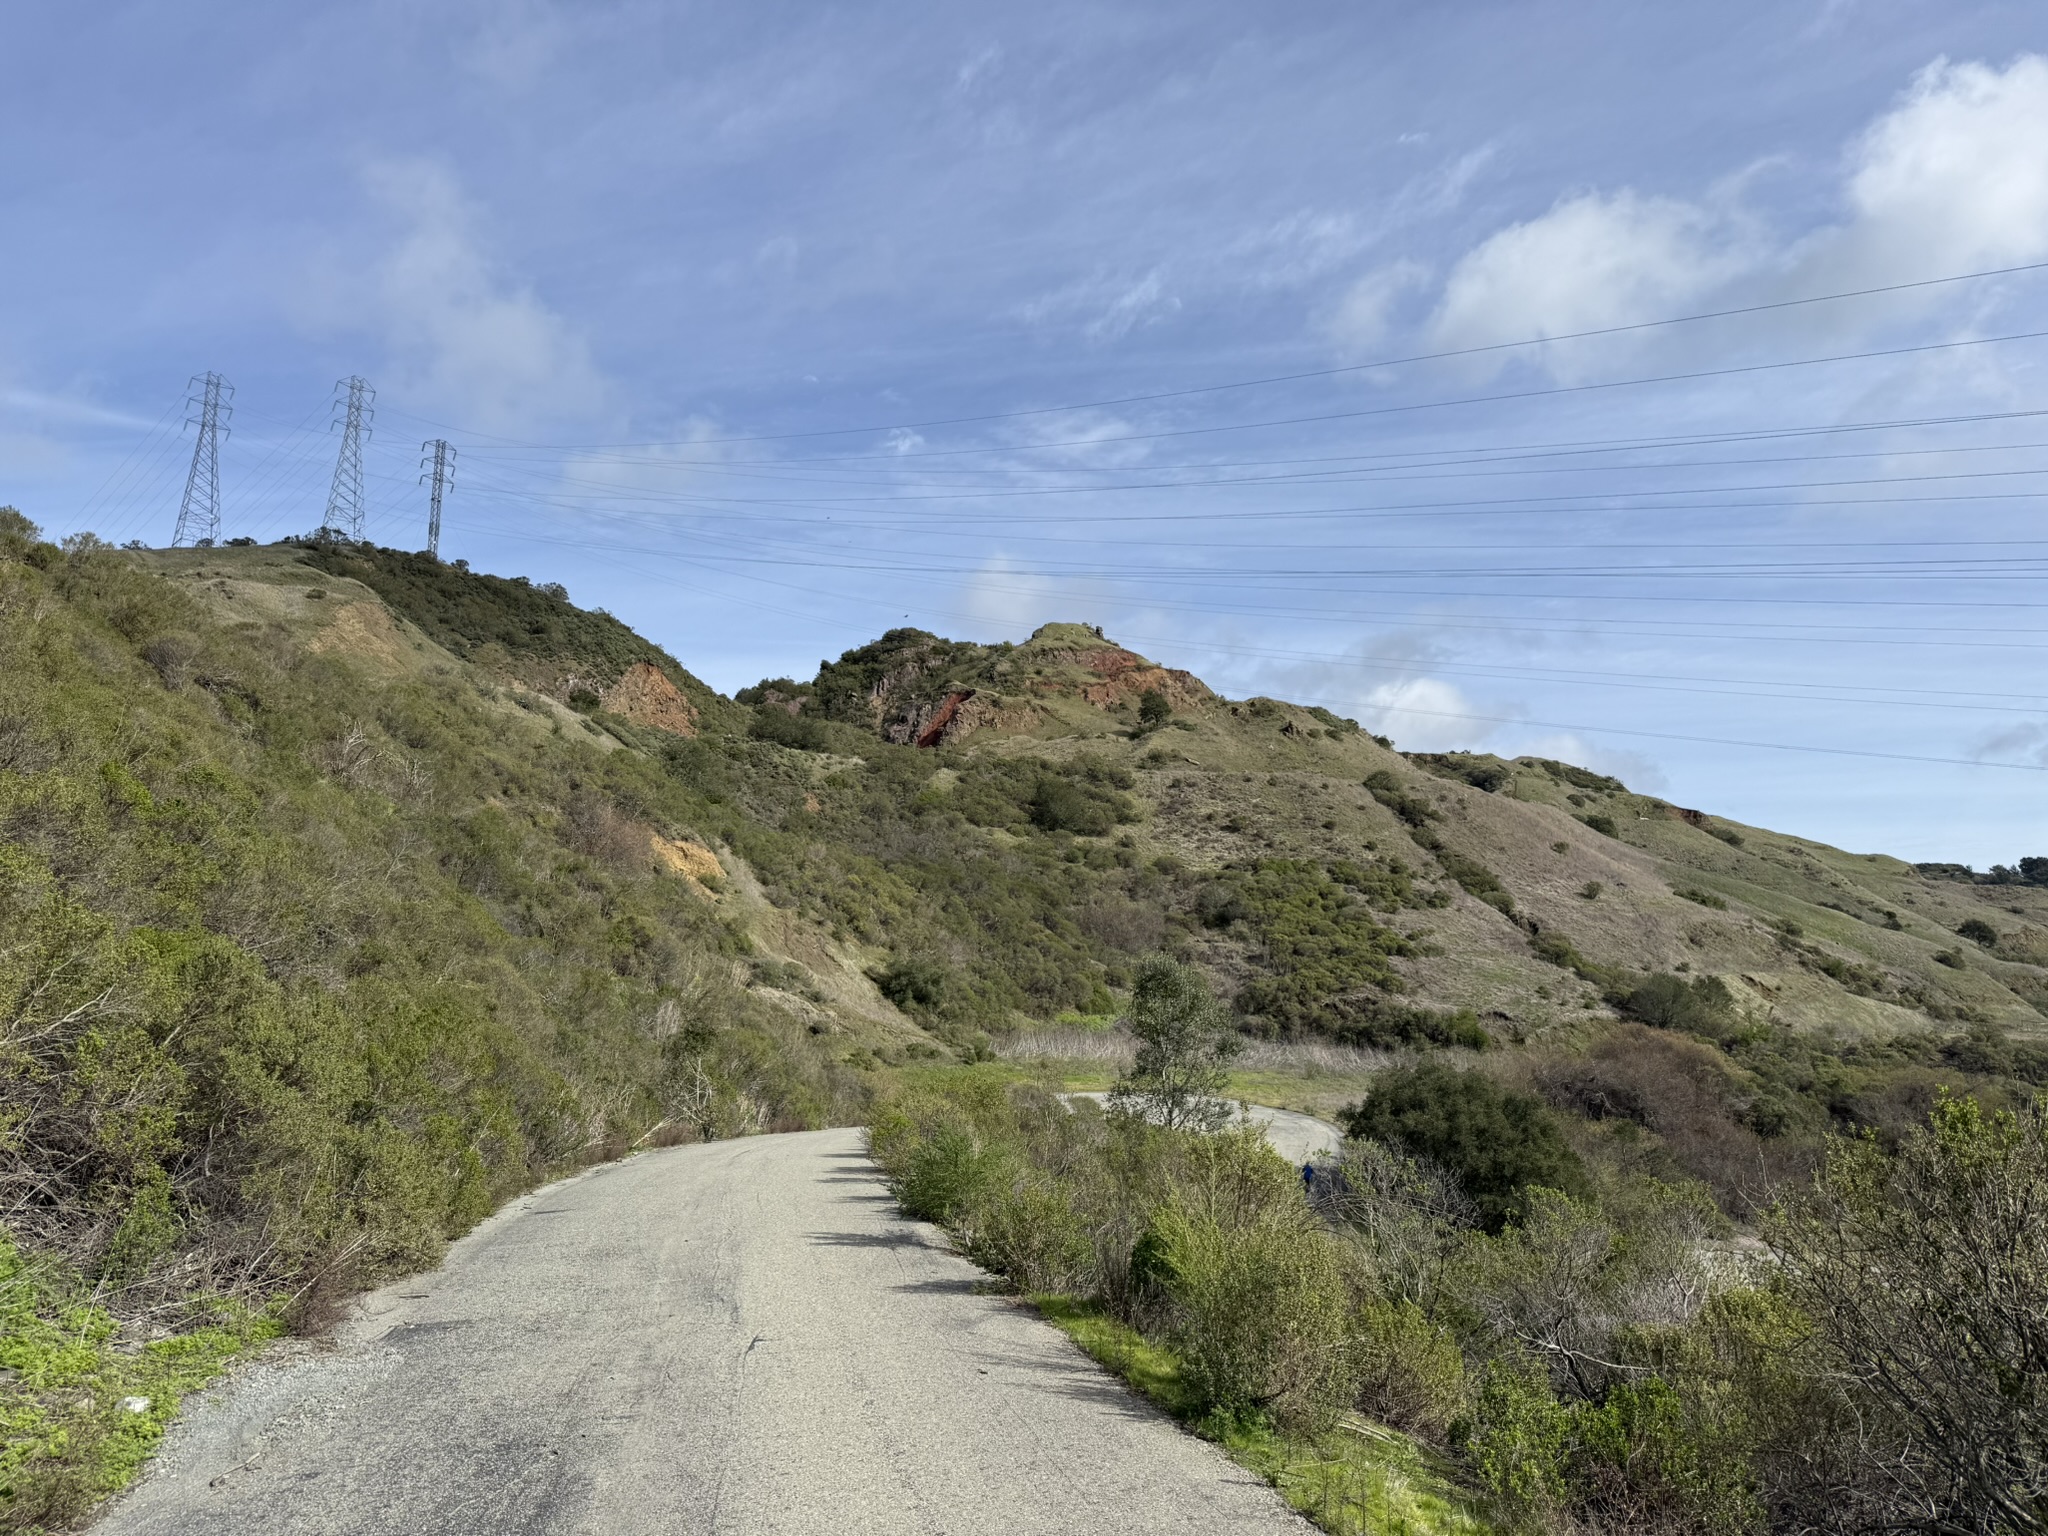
(743, 1337)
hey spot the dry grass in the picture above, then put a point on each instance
(1117, 1049)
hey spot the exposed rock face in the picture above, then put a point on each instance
(644, 695)
(951, 718)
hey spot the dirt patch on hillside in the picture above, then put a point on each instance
(645, 696)
(1183, 690)
(693, 861)
(364, 631)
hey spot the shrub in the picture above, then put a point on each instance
(1926, 1279)
(1517, 1445)
(1704, 898)
(1641, 1462)
(950, 1172)
(1031, 1232)
(1602, 823)
(1977, 931)
(911, 983)
(1060, 806)
(1410, 1372)
(1494, 1141)
(1153, 709)
(1258, 1310)
(1322, 950)
(1702, 1006)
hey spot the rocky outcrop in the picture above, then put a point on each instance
(955, 716)
(1126, 676)
(644, 695)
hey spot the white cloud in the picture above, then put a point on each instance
(462, 336)
(1955, 178)
(1593, 261)
(1010, 599)
(1952, 179)
(1424, 714)
(517, 42)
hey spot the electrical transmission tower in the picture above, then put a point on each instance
(439, 467)
(199, 513)
(353, 408)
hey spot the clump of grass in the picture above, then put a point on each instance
(80, 1413)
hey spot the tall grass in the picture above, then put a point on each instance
(1114, 1048)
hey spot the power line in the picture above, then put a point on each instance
(1352, 368)
(199, 512)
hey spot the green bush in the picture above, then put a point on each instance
(1494, 1141)
(1409, 1370)
(1702, 1006)
(1978, 932)
(1602, 823)
(1517, 1445)
(950, 1174)
(1258, 1310)
(1325, 956)
(1059, 806)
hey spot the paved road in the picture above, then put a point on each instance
(1297, 1137)
(736, 1338)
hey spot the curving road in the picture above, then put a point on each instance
(738, 1338)
(1297, 1137)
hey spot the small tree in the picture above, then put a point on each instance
(1184, 1041)
(1153, 710)
(1926, 1278)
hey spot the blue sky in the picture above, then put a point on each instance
(769, 327)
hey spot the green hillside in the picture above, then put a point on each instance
(344, 894)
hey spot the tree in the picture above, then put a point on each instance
(1926, 1279)
(1153, 709)
(1494, 1141)
(1184, 1041)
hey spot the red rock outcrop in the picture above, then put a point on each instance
(644, 695)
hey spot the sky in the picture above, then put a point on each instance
(1660, 388)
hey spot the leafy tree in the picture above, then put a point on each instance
(1496, 1142)
(1977, 931)
(1184, 1041)
(1926, 1277)
(1153, 710)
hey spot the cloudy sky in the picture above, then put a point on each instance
(1662, 388)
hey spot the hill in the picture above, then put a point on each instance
(344, 893)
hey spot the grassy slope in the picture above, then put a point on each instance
(315, 943)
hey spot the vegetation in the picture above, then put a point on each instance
(1496, 1143)
(1584, 1363)
(1184, 1040)
(321, 933)
(303, 970)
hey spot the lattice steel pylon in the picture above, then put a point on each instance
(438, 464)
(354, 405)
(199, 513)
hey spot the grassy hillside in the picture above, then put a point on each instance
(343, 893)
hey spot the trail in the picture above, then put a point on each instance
(743, 1337)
